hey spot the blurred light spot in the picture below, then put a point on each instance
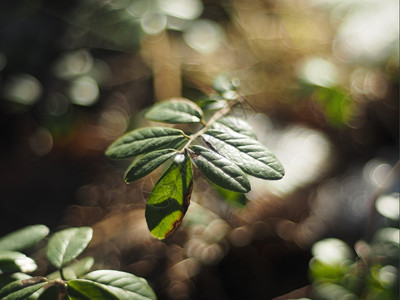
(212, 254)
(22, 88)
(204, 36)
(370, 31)
(57, 105)
(286, 229)
(240, 236)
(183, 9)
(186, 268)
(388, 234)
(216, 231)
(73, 64)
(3, 61)
(333, 291)
(331, 251)
(41, 142)
(139, 8)
(388, 206)
(388, 275)
(100, 71)
(376, 171)
(84, 91)
(153, 23)
(114, 122)
(318, 71)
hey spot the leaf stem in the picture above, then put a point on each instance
(219, 114)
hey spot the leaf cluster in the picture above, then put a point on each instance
(223, 147)
(71, 280)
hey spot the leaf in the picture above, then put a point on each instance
(148, 163)
(74, 270)
(66, 245)
(21, 289)
(250, 155)
(23, 238)
(175, 110)
(49, 293)
(123, 285)
(233, 198)
(6, 279)
(223, 84)
(82, 289)
(143, 140)
(11, 261)
(220, 170)
(170, 198)
(237, 125)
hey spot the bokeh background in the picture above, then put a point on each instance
(322, 88)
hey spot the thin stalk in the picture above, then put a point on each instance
(219, 114)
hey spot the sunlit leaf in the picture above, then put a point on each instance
(250, 155)
(74, 270)
(23, 238)
(233, 198)
(220, 170)
(175, 110)
(237, 125)
(147, 164)
(11, 261)
(169, 200)
(21, 289)
(143, 140)
(123, 285)
(66, 245)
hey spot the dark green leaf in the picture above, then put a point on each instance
(175, 110)
(143, 140)
(82, 289)
(220, 170)
(148, 163)
(233, 198)
(21, 289)
(50, 293)
(237, 125)
(11, 261)
(250, 155)
(6, 279)
(123, 285)
(169, 200)
(66, 245)
(23, 238)
(74, 270)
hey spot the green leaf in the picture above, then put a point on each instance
(175, 110)
(237, 125)
(170, 198)
(233, 198)
(66, 245)
(123, 285)
(6, 279)
(148, 163)
(23, 238)
(21, 289)
(223, 84)
(82, 289)
(74, 270)
(50, 293)
(220, 170)
(143, 140)
(250, 155)
(11, 261)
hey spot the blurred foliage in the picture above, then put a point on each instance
(75, 75)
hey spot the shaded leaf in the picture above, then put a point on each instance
(6, 279)
(11, 261)
(147, 164)
(170, 198)
(250, 155)
(66, 245)
(237, 125)
(23, 238)
(50, 293)
(21, 289)
(220, 170)
(82, 289)
(74, 270)
(143, 140)
(175, 110)
(123, 285)
(233, 198)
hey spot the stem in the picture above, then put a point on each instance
(219, 114)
